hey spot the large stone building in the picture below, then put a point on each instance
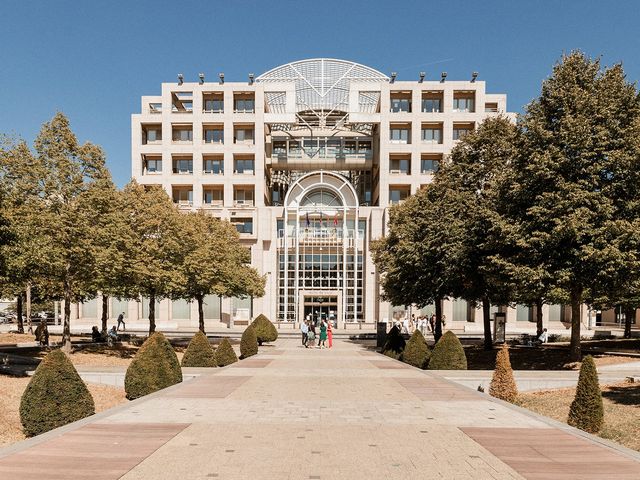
(305, 160)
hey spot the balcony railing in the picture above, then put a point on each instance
(323, 154)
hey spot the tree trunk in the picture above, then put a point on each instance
(486, 320)
(539, 326)
(629, 314)
(199, 298)
(66, 328)
(575, 351)
(438, 327)
(105, 313)
(152, 313)
(19, 313)
(30, 327)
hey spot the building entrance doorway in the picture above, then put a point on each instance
(318, 308)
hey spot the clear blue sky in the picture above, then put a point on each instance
(94, 59)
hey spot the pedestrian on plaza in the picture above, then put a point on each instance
(330, 334)
(544, 336)
(405, 325)
(432, 322)
(121, 321)
(323, 335)
(96, 336)
(304, 328)
(42, 333)
(311, 336)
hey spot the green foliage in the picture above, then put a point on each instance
(395, 344)
(448, 354)
(154, 367)
(586, 411)
(225, 355)
(416, 352)
(503, 385)
(55, 396)
(248, 343)
(199, 353)
(265, 330)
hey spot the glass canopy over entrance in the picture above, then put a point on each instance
(320, 251)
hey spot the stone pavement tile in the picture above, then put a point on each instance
(317, 451)
(553, 453)
(95, 451)
(208, 386)
(429, 388)
(252, 363)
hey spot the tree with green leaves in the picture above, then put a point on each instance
(154, 244)
(215, 262)
(475, 174)
(55, 242)
(581, 135)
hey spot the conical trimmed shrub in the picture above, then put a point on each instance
(225, 355)
(416, 352)
(586, 411)
(503, 385)
(448, 354)
(55, 396)
(199, 353)
(395, 343)
(248, 343)
(154, 367)
(265, 330)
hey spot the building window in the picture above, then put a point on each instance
(243, 135)
(244, 166)
(429, 165)
(400, 135)
(431, 105)
(155, 107)
(182, 133)
(151, 164)
(460, 131)
(400, 166)
(213, 196)
(182, 102)
(243, 196)
(491, 107)
(464, 102)
(244, 105)
(213, 134)
(243, 225)
(213, 102)
(432, 134)
(151, 134)
(400, 103)
(183, 165)
(183, 195)
(398, 194)
(213, 166)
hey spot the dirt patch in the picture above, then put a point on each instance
(538, 358)
(621, 410)
(11, 390)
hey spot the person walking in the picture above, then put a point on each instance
(311, 335)
(323, 335)
(304, 328)
(121, 321)
(330, 333)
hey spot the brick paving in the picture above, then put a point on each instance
(296, 413)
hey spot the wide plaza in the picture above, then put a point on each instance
(295, 413)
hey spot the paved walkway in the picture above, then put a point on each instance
(293, 413)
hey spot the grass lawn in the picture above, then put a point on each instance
(621, 410)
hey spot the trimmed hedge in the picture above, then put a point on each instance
(586, 411)
(55, 396)
(199, 353)
(416, 351)
(265, 330)
(395, 343)
(503, 385)
(154, 367)
(225, 354)
(248, 343)
(448, 354)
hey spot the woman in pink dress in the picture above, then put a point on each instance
(330, 333)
